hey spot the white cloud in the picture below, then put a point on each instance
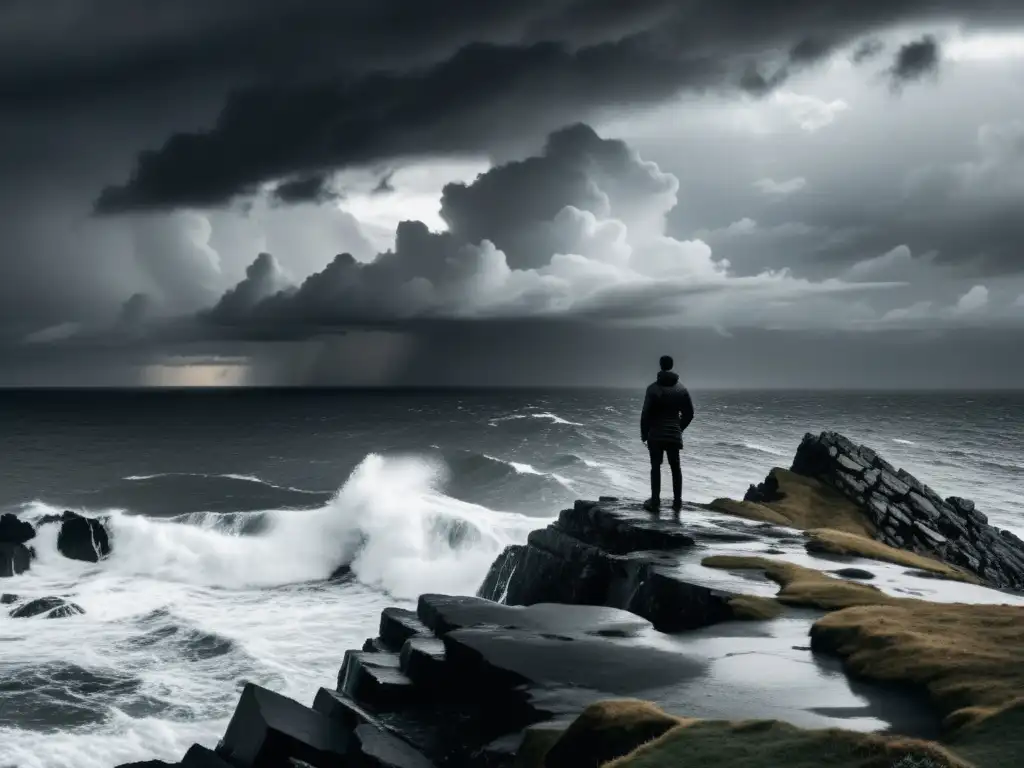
(53, 333)
(809, 112)
(973, 301)
(785, 188)
(985, 47)
(899, 256)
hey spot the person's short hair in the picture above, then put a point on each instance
(666, 362)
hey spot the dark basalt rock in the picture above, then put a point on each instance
(443, 614)
(82, 538)
(14, 559)
(15, 531)
(52, 607)
(910, 515)
(397, 625)
(199, 756)
(766, 492)
(423, 661)
(8, 599)
(376, 747)
(377, 680)
(609, 554)
(267, 729)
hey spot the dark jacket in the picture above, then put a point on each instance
(668, 410)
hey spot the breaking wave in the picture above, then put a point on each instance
(390, 523)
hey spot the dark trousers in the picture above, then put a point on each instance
(658, 453)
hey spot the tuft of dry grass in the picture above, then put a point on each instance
(835, 542)
(608, 730)
(807, 504)
(750, 510)
(805, 586)
(969, 658)
(754, 608)
(769, 744)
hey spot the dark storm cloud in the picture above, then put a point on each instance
(314, 188)
(327, 85)
(460, 105)
(915, 60)
(867, 50)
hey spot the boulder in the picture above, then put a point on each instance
(268, 729)
(14, 558)
(199, 756)
(50, 607)
(15, 531)
(765, 492)
(82, 538)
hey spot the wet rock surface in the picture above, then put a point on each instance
(910, 515)
(82, 538)
(48, 607)
(14, 530)
(14, 559)
(607, 602)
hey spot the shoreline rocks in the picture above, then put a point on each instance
(610, 602)
(83, 538)
(15, 556)
(79, 538)
(48, 607)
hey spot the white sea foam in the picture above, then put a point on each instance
(529, 469)
(262, 593)
(228, 476)
(903, 442)
(553, 417)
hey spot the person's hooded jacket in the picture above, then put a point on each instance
(667, 411)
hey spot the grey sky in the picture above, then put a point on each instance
(757, 187)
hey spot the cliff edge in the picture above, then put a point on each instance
(721, 634)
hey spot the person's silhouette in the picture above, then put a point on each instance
(667, 411)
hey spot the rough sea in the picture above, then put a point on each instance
(230, 510)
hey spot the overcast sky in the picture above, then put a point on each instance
(806, 193)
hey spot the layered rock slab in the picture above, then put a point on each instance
(908, 514)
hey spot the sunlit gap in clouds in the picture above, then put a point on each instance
(411, 192)
(197, 372)
(341, 357)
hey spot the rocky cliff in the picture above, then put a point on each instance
(907, 513)
(609, 602)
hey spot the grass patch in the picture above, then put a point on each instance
(835, 542)
(537, 741)
(994, 740)
(805, 586)
(969, 658)
(807, 504)
(754, 608)
(771, 744)
(608, 730)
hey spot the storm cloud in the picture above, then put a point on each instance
(336, 178)
(462, 77)
(574, 232)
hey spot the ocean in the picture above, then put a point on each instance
(230, 510)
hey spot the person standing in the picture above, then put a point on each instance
(667, 412)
